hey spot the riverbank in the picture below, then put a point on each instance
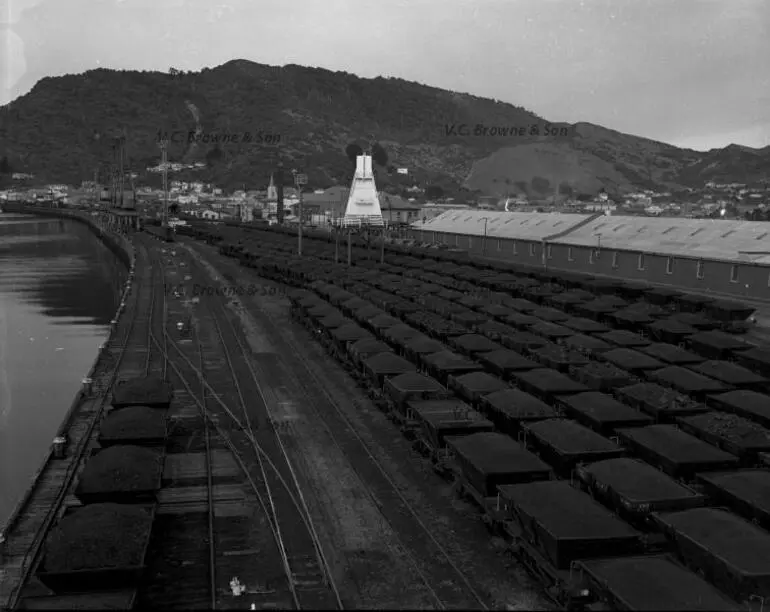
(123, 249)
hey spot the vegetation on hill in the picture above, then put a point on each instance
(309, 118)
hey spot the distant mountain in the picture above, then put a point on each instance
(63, 130)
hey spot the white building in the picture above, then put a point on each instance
(363, 203)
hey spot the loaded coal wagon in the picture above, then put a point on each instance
(510, 409)
(634, 489)
(134, 425)
(729, 551)
(489, 459)
(411, 386)
(97, 547)
(646, 583)
(473, 386)
(748, 404)
(552, 525)
(678, 454)
(602, 412)
(746, 492)
(150, 391)
(444, 364)
(440, 419)
(121, 474)
(565, 444)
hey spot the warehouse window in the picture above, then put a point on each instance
(669, 265)
(549, 252)
(640, 263)
(615, 259)
(457, 239)
(733, 274)
(569, 254)
(699, 270)
(532, 249)
(499, 245)
(591, 256)
(470, 242)
(515, 248)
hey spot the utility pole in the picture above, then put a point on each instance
(484, 240)
(350, 248)
(122, 141)
(164, 166)
(337, 243)
(299, 180)
(113, 176)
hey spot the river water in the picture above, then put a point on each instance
(59, 289)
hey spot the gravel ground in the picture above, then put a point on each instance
(374, 564)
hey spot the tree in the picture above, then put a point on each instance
(6, 172)
(433, 191)
(214, 155)
(565, 189)
(540, 184)
(353, 151)
(379, 155)
(173, 208)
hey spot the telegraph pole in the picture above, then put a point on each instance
(299, 180)
(113, 176)
(164, 166)
(122, 144)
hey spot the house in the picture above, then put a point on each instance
(210, 215)
(327, 206)
(396, 209)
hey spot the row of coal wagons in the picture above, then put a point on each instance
(164, 234)
(96, 549)
(498, 471)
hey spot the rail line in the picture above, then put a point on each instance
(81, 424)
(248, 454)
(349, 442)
(212, 364)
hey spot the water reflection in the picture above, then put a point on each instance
(59, 289)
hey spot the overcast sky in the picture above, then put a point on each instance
(694, 73)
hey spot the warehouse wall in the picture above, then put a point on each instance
(740, 279)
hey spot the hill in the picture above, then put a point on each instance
(64, 128)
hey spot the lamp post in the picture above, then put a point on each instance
(484, 240)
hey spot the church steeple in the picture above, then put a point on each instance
(272, 192)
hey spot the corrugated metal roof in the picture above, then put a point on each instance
(502, 224)
(707, 238)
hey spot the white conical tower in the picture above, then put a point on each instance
(363, 203)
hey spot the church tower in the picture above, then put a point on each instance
(272, 192)
(363, 203)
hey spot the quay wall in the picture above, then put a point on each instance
(124, 250)
(115, 242)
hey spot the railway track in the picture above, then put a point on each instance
(433, 566)
(126, 354)
(243, 496)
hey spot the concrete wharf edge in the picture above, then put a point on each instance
(122, 248)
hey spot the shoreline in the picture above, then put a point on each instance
(122, 248)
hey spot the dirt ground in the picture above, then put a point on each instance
(376, 564)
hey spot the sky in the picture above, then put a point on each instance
(694, 73)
